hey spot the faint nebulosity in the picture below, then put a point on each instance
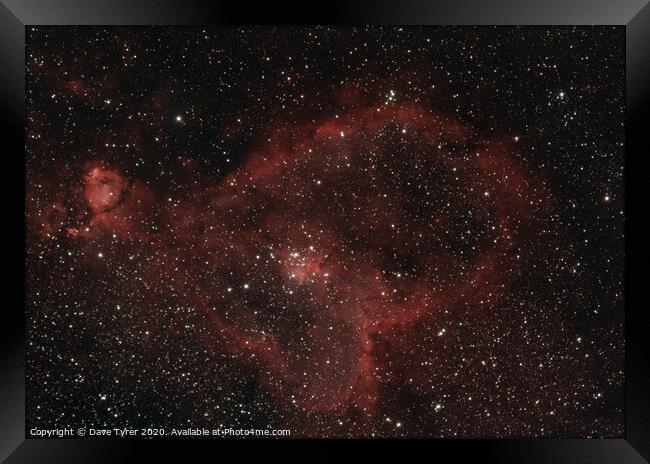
(358, 232)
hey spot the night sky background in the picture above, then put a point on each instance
(359, 232)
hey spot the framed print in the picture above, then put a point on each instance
(410, 225)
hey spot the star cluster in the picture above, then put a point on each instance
(344, 232)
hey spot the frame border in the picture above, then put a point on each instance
(15, 15)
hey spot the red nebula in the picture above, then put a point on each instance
(335, 237)
(117, 207)
(313, 227)
(104, 189)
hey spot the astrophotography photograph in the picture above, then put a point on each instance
(325, 231)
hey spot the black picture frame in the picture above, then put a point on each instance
(15, 15)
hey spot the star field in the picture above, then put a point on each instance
(344, 232)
